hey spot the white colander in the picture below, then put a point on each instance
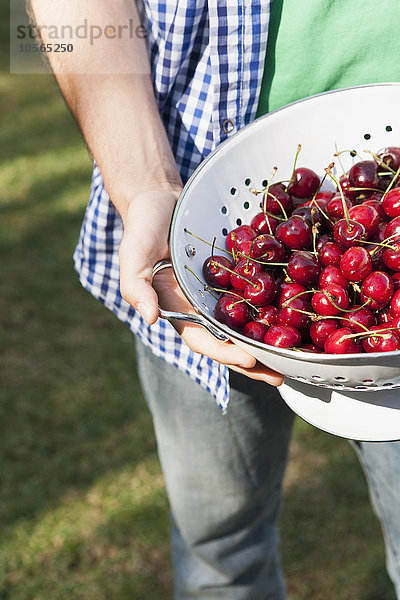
(217, 198)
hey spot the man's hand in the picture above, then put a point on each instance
(145, 241)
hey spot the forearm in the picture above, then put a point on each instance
(109, 91)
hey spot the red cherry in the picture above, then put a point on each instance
(214, 272)
(330, 254)
(261, 291)
(393, 228)
(322, 240)
(391, 203)
(292, 313)
(311, 348)
(340, 343)
(345, 187)
(245, 269)
(376, 254)
(395, 325)
(277, 198)
(367, 216)
(384, 341)
(334, 208)
(396, 281)
(255, 330)
(267, 315)
(358, 318)
(375, 200)
(380, 233)
(356, 264)
(331, 275)
(231, 311)
(383, 316)
(348, 233)
(391, 256)
(321, 330)
(295, 233)
(304, 183)
(311, 214)
(282, 336)
(240, 239)
(262, 223)
(268, 249)
(330, 300)
(303, 267)
(287, 290)
(323, 197)
(394, 307)
(377, 289)
(390, 156)
(364, 174)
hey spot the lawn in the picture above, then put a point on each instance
(83, 512)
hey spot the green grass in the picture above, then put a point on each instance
(83, 512)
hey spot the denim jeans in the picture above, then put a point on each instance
(223, 476)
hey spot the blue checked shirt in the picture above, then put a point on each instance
(207, 60)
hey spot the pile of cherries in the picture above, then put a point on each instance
(317, 271)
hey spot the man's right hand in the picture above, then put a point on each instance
(145, 242)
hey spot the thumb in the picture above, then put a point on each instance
(145, 300)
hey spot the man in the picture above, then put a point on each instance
(148, 127)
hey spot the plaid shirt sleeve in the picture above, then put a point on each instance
(207, 60)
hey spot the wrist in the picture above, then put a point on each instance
(165, 187)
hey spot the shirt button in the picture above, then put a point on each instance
(228, 126)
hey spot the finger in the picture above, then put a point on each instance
(261, 373)
(201, 341)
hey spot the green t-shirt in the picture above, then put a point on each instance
(320, 45)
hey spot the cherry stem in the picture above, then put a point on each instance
(353, 153)
(332, 164)
(264, 262)
(342, 318)
(345, 209)
(248, 258)
(315, 232)
(264, 204)
(376, 244)
(380, 162)
(205, 241)
(265, 195)
(391, 184)
(205, 287)
(294, 165)
(383, 333)
(321, 211)
(241, 299)
(212, 247)
(234, 272)
(337, 153)
(285, 303)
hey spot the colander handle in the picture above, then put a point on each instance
(192, 318)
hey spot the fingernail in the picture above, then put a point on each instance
(144, 311)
